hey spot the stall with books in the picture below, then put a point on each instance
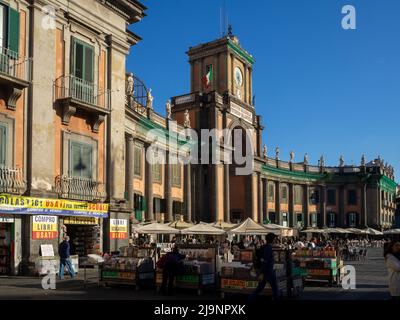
(199, 267)
(319, 265)
(133, 266)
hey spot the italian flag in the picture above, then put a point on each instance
(208, 78)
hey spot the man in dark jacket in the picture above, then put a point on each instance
(173, 266)
(267, 269)
(64, 253)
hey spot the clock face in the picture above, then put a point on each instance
(238, 77)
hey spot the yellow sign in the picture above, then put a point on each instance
(44, 227)
(27, 205)
(81, 220)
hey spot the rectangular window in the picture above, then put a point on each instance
(285, 219)
(177, 207)
(352, 197)
(81, 158)
(82, 61)
(272, 217)
(271, 193)
(299, 219)
(176, 175)
(314, 196)
(138, 162)
(3, 144)
(313, 218)
(82, 70)
(331, 197)
(156, 169)
(298, 195)
(284, 197)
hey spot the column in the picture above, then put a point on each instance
(323, 207)
(149, 190)
(265, 198)
(341, 217)
(291, 216)
(130, 168)
(364, 217)
(260, 198)
(227, 213)
(188, 196)
(306, 197)
(245, 84)
(278, 202)
(168, 187)
(192, 76)
(215, 191)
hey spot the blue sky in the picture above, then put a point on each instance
(319, 88)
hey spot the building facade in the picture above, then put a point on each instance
(62, 120)
(77, 131)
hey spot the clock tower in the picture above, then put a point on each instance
(221, 98)
(228, 66)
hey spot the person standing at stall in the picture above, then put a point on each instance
(172, 266)
(267, 269)
(65, 260)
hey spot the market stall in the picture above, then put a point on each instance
(134, 266)
(199, 268)
(239, 275)
(200, 264)
(318, 264)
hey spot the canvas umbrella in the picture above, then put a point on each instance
(157, 228)
(372, 232)
(337, 230)
(284, 231)
(223, 225)
(250, 227)
(313, 230)
(203, 229)
(355, 230)
(391, 231)
(180, 224)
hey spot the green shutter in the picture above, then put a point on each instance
(13, 30)
(3, 145)
(82, 60)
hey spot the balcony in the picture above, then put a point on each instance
(15, 75)
(73, 94)
(77, 188)
(12, 180)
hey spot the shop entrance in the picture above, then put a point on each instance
(5, 248)
(84, 235)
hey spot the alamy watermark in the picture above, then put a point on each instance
(349, 21)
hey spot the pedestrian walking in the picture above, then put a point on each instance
(266, 267)
(65, 260)
(392, 259)
(172, 266)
